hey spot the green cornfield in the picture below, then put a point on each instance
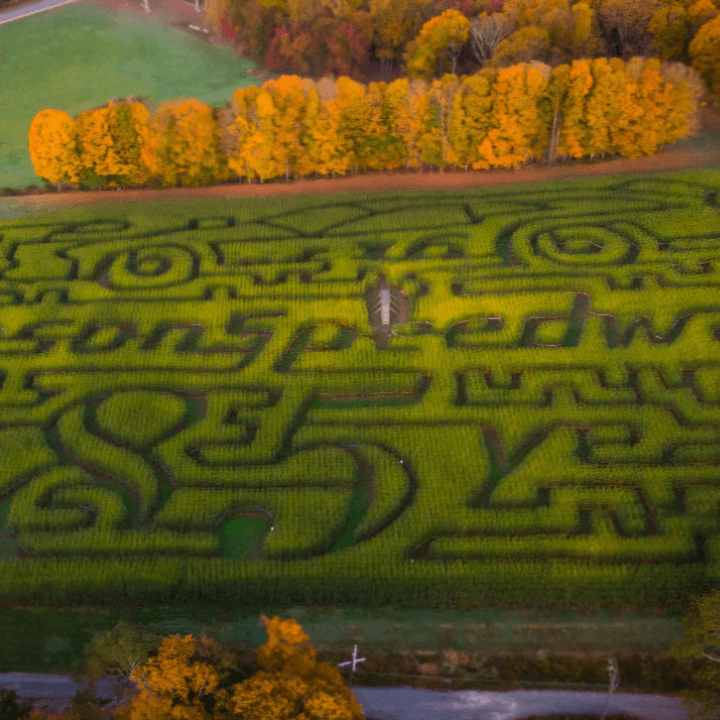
(195, 402)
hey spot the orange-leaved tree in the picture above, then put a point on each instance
(188, 679)
(188, 136)
(293, 685)
(52, 142)
(518, 126)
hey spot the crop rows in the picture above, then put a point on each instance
(546, 424)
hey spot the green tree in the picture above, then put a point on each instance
(702, 642)
(11, 709)
(119, 651)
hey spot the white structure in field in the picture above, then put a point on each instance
(384, 303)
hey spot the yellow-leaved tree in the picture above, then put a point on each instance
(644, 105)
(116, 144)
(376, 153)
(470, 120)
(188, 138)
(524, 45)
(292, 684)
(259, 151)
(704, 51)
(188, 679)
(408, 121)
(353, 109)
(325, 143)
(669, 26)
(290, 96)
(574, 131)
(394, 152)
(657, 98)
(442, 34)
(602, 108)
(52, 143)
(235, 129)
(435, 116)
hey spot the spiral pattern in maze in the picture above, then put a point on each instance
(555, 394)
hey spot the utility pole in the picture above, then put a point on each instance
(614, 682)
(352, 662)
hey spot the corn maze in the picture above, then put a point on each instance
(540, 421)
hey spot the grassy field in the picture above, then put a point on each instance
(80, 56)
(82, 451)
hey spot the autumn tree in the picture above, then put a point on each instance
(574, 130)
(701, 642)
(572, 28)
(470, 120)
(518, 131)
(443, 34)
(292, 683)
(325, 144)
(187, 137)
(523, 46)
(435, 117)
(704, 52)
(188, 678)
(486, 32)
(625, 23)
(602, 109)
(395, 24)
(290, 97)
(681, 75)
(407, 123)
(53, 146)
(348, 47)
(669, 26)
(115, 143)
(392, 151)
(698, 13)
(235, 128)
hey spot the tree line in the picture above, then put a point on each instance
(424, 39)
(294, 127)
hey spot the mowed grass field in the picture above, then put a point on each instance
(80, 56)
(526, 373)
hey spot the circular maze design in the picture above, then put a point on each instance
(547, 388)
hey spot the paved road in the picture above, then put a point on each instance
(56, 691)
(10, 15)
